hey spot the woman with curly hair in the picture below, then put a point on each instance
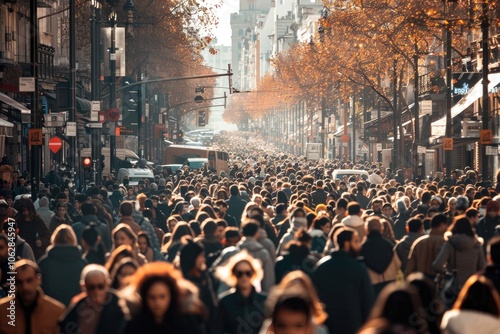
(32, 228)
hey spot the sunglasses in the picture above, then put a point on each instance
(240, 274)
(92, 287)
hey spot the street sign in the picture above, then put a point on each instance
(114, 114)
(426, 107)
(71, 129)
(35, 137)
(448, 144)
(94, 125)
(26, 84)
(94, 113)
(379, 147)
(421, 149)
(55, 144)
(102, 116)
(491, 150)
(485, 137)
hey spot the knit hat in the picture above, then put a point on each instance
(437, 198)
(44, 202)
(188, 255)
(320, 207)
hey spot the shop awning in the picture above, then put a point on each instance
(14, 104)
(5, 124)
(438, 128)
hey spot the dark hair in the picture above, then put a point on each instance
(294, 303)
(461, 225)
(126, 208)
(118, 267)
(414, 225)
(250, 228)
(319, 222)
(143, 234)
(478, 294)
(342, 203)
(88, 208)
(353, 208)
(438, 219)
(342, 236)
(280, 208)
(209, 227)
(234, 190)
(90, 235)
(471, 213)
(231, 232)
(493, 249)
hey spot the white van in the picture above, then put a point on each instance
(340, 173)
(121, 153)
(135, 175)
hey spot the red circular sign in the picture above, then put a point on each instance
(102, 116)
(114, 114)
(55, 144)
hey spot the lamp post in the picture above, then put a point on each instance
(485, 26)
(112, 88)
(94, 77)
(36, 151)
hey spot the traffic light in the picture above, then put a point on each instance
(202, 118)
(180, 136)
(87, 168)
(131, 105)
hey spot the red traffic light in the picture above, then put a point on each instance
(87, 162)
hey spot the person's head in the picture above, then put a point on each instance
(157, 284)
(377, 206)
(473, 216)
(250, 228)
(492, 209)
(63, 235)
(341, 206)
(27, 209)
(461, 225)
(347, 240)
(322, 223)
(462, 203)
(126, 209)
(192, 258)
(28, 281)
(221, 227)
(373, 225)
(436, 202)
(387, 210)
(123, 235)
(414, 225)
(89, 208)
(439, 223)
(232, 236)
(209, 227)
(122, 271)
(143, 242)
(95, 281)
(480, 295)
(291, 314)
(493, 250)
(234, 190)
(354, 209)
(241, 271)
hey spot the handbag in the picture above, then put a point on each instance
(451, 287)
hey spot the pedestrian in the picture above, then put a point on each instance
(486, 225)
(123, 235)
(180, 232)
(146, 249)
(61, 217)
(32, 228)
(240, 309)
(122, 272)
(62, 265)
(344, 285)
(354, 220)
(94, 251)
(477, 309)
(43, 210)
(34, 312)
(297, 220)
(415, 229)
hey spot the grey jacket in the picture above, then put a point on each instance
(462, 253)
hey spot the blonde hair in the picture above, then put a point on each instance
(226, 272)
(63, 235)
(298, 279)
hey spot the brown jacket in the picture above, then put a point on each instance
(128, 220)
(43, 320)
(389, 274)
(423, 252)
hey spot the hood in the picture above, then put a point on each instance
(251, 245)
(65, 253)
(262, 234)
(377, 252)
(462, 242)
(317, 233)
(460, 321)
(353, 221)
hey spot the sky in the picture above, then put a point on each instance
(223, 30)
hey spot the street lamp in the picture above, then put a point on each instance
(95, 12)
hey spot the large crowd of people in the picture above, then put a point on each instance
(274, 245)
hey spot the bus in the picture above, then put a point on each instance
(178, 154)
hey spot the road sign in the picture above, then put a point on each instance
(35, 137)
(94, 125)
(102, 116)
(491, 150)
(485, 137)
(344, 138)
(94, 113)
(421, 149)
(71, 129)
(26, 84)
(379, 147)
(55, 144)
(114, 114)
(426, 107)
(448, 144)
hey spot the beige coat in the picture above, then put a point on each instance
(389, 274)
